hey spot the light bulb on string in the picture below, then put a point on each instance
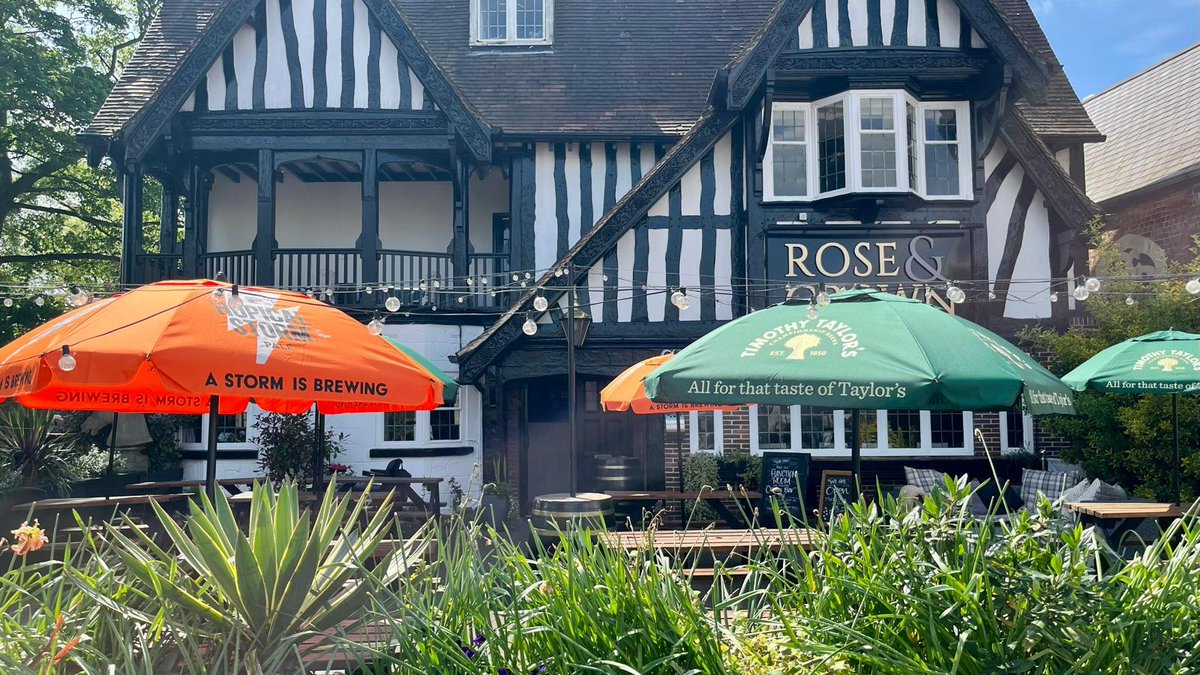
(423, 286)
(681, 300)
(956, 295)
(515, 277)
(1129, 300)
(1092, 284)
(368, 290)
(39, 301)
(437, 284)
(540, 303)
(823, 299)
(812, 312)
(8, 302)
(392, 304)
(66, 362)
(234, 302)
(77, 297)
(1193, 286)
(528, 275)
(991, 295)
(529, 327)
(1054, 296)
(328, 293)
(1081, 293)
(376, 326)
(483, 281)
(462, 299)
(558, 272)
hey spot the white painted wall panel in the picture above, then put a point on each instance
(887, 18)
(302, 17)
(916, 24)
(723, 277)
(857, 10)
(690, 191)
(416, 216)
(1030, 290)
(595, 284)
(231, 214)
(689, 272)
(831, 24)
(243, 66)
(362, 49)
(998, 217)
(574, 212)
(214, 82)
(545, 219)
(599, 171)
(333, 56)
(389, 75)
(656, 276)
(949, 22)
(625, 251)
(278, 88)
(318, 215)
(806, 32)
(723, 168)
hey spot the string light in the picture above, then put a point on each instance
(369, 290)
(540, 303)
(1092, 284)
(955, 294)
(1054, 296)
(392, 304)
(376, 325)
(680, 299)
(1129, 300)
(1193, 286)
(234, 302)
(77, 297)
(66, 362)
(823, 299)
(8, 302)
(991, 295)
(530, 326)
(39, 301)
(812, 312)
(1081, 292)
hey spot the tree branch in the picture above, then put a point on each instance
(91, 220)
(58, 257)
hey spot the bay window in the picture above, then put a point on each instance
(511, 22)
(868, 141)
(825, 432)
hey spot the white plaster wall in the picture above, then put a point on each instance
(364, 432)
(1029, 290)
(231, 214)
(489, 195)
(416, 216)
(317, 215)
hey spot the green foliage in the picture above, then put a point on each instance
(93, 463)
(163, 451)
(701, 473)
(285, 445)
(1118, 437)
(33, 449)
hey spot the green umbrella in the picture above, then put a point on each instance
(449, 386)
(1164, 362)
(867, 350)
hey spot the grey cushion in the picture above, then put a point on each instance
(1076, 472)
(1076, 492)
(1049, 484)
(1099, 491)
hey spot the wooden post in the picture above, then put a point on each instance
(168, 219)
(368, 245)
(461, 244)
(131, 222)
(264, 241)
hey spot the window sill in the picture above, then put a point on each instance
(236, 452)
(420, 452)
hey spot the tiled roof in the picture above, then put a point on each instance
(1061, 114)
(617, 67)
(170, 36)
(1152, 127)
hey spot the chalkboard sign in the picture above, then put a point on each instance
(837, 490)
(784, 475)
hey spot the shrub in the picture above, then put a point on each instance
(33, 450)
(285, 445)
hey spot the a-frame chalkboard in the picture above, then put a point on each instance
(835, 492)
(784, 477)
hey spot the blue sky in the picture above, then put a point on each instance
(1101, 42)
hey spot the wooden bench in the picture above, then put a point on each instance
(716, 499)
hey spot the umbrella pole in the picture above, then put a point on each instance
(1178, 462)
(112, 443)
(318, 456)
(210, 470)
(856, 449)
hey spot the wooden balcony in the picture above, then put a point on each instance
(419, 279)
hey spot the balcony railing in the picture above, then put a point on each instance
(418, 278)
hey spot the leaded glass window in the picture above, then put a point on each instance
(946, 429)
(399, 427)
(774, 427)
(831, 146)
(817, 428)
(877, 142)
(789, 144)
(941, 152)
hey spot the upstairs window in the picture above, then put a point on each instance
(511, 22)
(868, 141)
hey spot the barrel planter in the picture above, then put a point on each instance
(554, 513)
(618, 472)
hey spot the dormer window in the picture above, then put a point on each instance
(868, 142)
(512, 22)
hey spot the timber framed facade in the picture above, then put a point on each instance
(375, 152)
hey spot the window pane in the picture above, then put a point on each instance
(904, 428)
(443, 425)
(941, 169)
(831, 149)
(400, 426)
(877, 114)
(706, 437)
(816, 428)
(788, 125)
(531, 20)
(493, 19)
(946, 430)
(868, 429)
(189, 429)
(231, 428)
(912, 146)
(789, 166)
(941, 125)
(774, 427)
(1014, 421)
(879, 160)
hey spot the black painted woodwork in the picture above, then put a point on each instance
(461, 241)
(368, 243)
(132, 195)
(264, 240)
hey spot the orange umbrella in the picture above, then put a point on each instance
(191, 347)
(627, 392)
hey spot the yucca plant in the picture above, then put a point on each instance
(290, 576)
(30, 448)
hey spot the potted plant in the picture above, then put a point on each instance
(285, 445)
(496, 501)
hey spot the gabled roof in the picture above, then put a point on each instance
(1152, 128)
(618, 68)
(186, 39)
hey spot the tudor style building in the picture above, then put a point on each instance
(466, 162)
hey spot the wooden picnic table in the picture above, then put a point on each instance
(404, 490)
(232, 485)
(681, 542)
(1119, 518)
(715, 499)
(137, 505)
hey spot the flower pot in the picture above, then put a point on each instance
(495, 509)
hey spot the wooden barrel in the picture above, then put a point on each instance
(619, 472)
(559, 512)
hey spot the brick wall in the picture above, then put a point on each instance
(1169, 217)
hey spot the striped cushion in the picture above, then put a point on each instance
(926, 479)
(1046, 483)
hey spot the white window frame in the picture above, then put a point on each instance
(718, 433)
(250, 416)
(852, 119)
(511, 25)
(422, 431)
(841, 439)
(1027, 424)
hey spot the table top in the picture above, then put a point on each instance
(712, 540)
(672, 495)
(198, 482)
(1121, 510)
(116, 501)
(390, 480)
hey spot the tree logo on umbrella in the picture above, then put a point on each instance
(258, 316)
(1164, 361)
(798, 340)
